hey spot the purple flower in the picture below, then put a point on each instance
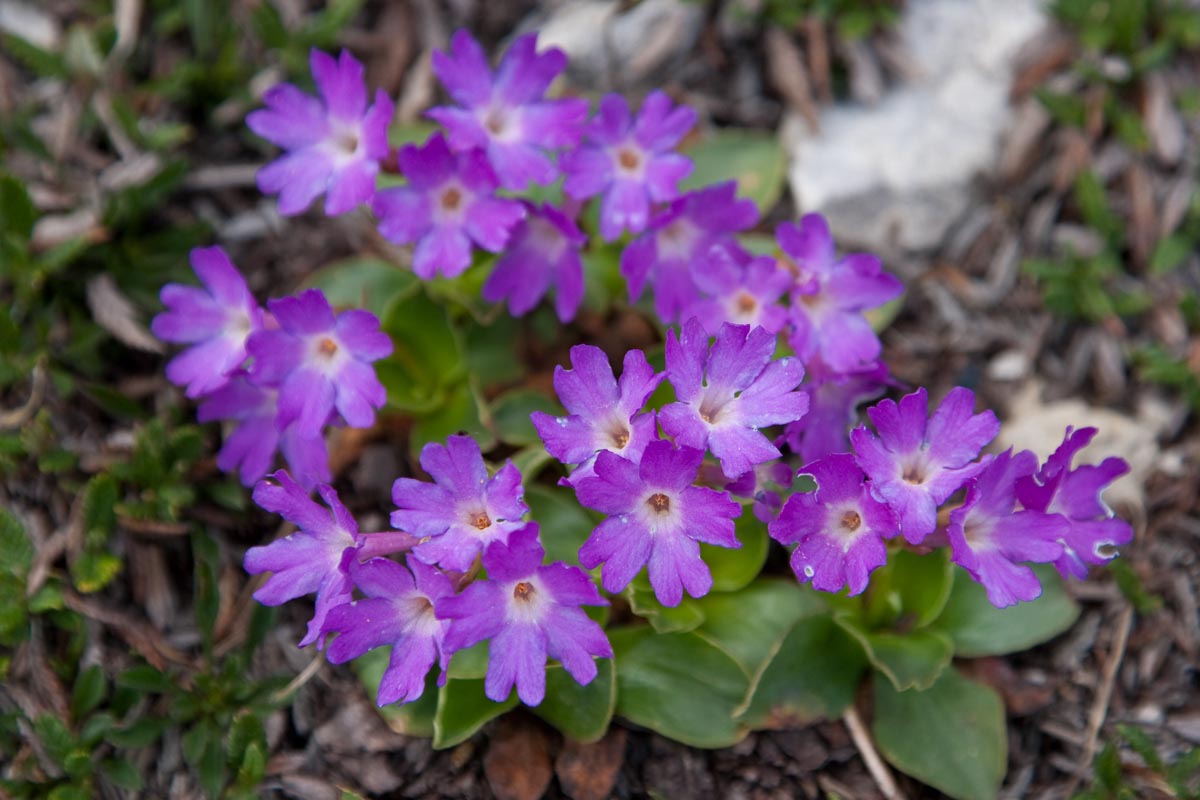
(398, 611)
(757, 484)
(320, 362)
(727, 393)
(1092, 532)
(543, 251)
(250, 448)
(830, 296)
(447, 204)
(989, 541)
(604, 415)
(529, 612)
(656, 517)
(834, 399)
(629, 161)
(463, 511)
(838, 530)
(738, 294)
(309, 560)
(215, 320)
(335, 143)
(916, 464)
(679, 236)
(506, 114)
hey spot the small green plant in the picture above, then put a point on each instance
(1180, 778)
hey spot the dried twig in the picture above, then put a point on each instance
(1103, 697)
(866, 748)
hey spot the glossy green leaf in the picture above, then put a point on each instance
(686, 616)
(750, 623)
(492, 351)
(980, 629)
(950, 736)
(753, 158)
(564, 524)
(469, 663)
(531, 461)
(411, 719)
(580, 712)
(426, 359)
(882, 316)
(922, 583)
(909, 660)
(462, 709)
(733, 569)
(369, 283)
(679, 685)
(17, 212)
(458, 413)
(510, 415)
(812, 673)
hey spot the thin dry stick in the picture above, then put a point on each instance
(1103, 697)
(879, 771)
(304, 677)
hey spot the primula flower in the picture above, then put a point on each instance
(679, 236)
(830, 295)
(629, 161)
(398, 611)
(603, 414)
(833, 401)
(464, 510)
(528, 611)
(838, 529)
(543, 251)
(915, 464)
(727, 393)
(446, 205)
(250, 448)
(313, 559)
(1092, 533)
(507, 114)
(990, 541)
(215, 320)
(657, 517)
(320, 362)
(758, 483)
(739, 294)
(335, 143)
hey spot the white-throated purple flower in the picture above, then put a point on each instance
(334, 143)
(833, 401)
(657, 518)
(916, 463)
(990, 541)
(250, 448)
(506, 114)
(320, 362)
(215, 321)
(727, 393)
(1092, 533)
(678, 237)
(838, 529)
(629, 161)
(313, 559)
(830, 295)
(603, 414)
(398, 612)
(447, 205)
(464, 510)
(543, 252)
(529, 611)
(738, 293)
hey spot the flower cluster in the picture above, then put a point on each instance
(280, 375)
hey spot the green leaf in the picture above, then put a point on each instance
(750, 623)
(17, 212)
(88, 691)
(686, 616)
(679, 685)
(426, 358)
(510, 415)
(208, 601)
(369, 283)
(469, 663)
(563, 523)
(462, 709)
(732, 569)
(17, 549)
(141, 733)
(411, 719)
(122, 773)
(146, 679)
(458, 413)
(909, 660)
(922, 583)
(99, 508)
(1094, 208)
(1170, 252)
(811, 674)
(950, 736)
(92, 571)
(580, 712)
(980, 629)
(491, 352)
(752, 158)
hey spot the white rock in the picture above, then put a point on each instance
(895, 176)
(30, 23)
